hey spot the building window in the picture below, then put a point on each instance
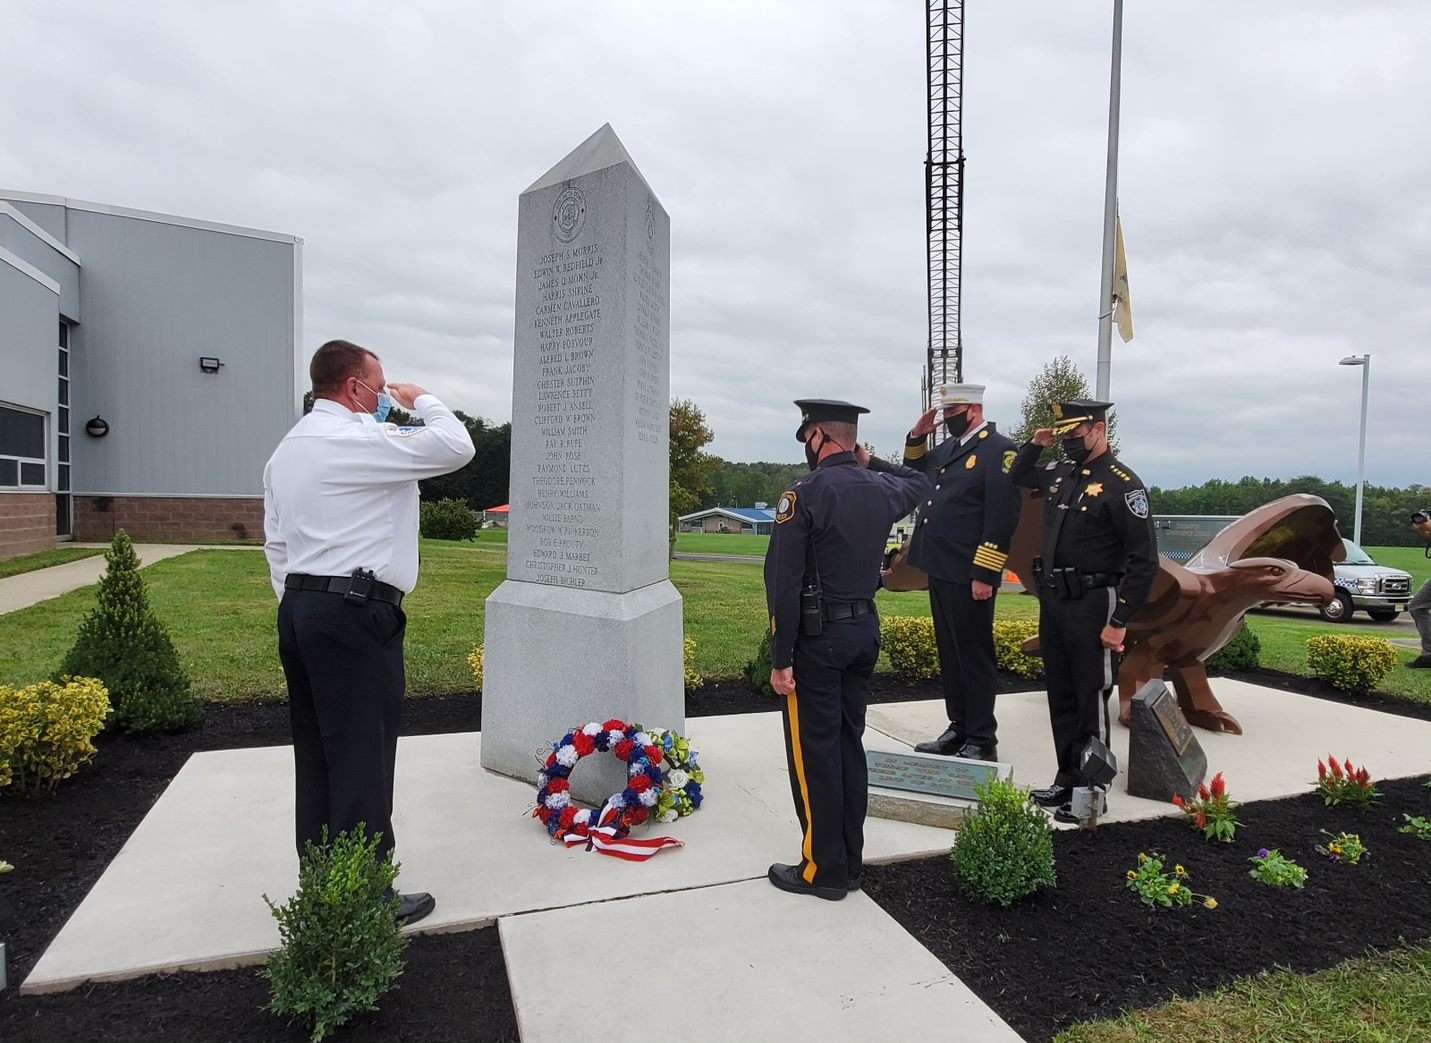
(22, 449)
(64, 506)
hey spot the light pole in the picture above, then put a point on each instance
(1364, 361)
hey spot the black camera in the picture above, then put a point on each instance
(1420, 517)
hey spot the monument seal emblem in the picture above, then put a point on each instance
(569, 213)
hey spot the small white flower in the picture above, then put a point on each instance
(614, 736)
(648, 797)
(557, 801)
(567, 756)
(635, 769)
(592, 729)
(542, 779)
(678, 779)
(642, 739)
(617, 802)
(5, 866)
(582, 818)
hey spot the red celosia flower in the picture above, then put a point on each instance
(1219, 787)
(1321, 769)
(1201, 820)
(1336, 768)
(1363, 777)
(1203, 793)
(624, 748)
(1178, 799)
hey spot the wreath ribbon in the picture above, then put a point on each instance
(608, 839)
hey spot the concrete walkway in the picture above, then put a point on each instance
(220, 837)
(28, 588)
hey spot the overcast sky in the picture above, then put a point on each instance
(1275, 188)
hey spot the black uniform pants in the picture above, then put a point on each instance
(964, 634)
(1080, 673)
(824, 729)
(344, 667)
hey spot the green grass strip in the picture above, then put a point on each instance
(45, 559)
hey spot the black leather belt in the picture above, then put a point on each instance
(385, 592)
(846, 609)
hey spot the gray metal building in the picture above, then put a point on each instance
(148, 366)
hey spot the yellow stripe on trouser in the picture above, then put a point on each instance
(799, 758)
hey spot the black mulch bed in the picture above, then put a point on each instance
(455, 985)
(1090, 949)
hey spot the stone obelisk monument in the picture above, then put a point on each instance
(587, 626)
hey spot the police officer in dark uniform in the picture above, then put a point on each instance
(1098, 564)
(961, 541)
(821, 574)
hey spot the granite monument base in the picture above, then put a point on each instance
(557, 658)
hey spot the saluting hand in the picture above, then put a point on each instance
(1044, 437)
(783, 681)
(862, 456)
(924, 427)
(406, 395)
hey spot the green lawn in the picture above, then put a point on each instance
(220, 610)
(44, 559)
(721, 543)
(1380, 999)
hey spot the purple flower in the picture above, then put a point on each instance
(1263, 853)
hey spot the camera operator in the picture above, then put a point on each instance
(1420, 607)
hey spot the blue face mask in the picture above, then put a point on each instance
(385, 404)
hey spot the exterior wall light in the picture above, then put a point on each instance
(97, 428)
(209, 365)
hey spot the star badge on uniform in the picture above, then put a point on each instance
(1094, 488)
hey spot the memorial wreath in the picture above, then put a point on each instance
(649, 790)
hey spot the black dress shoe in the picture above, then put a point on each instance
(788, 878)
(1052, 797)
(978, 751)
(946, 744)
(1421, 662)
(852, 884)
(412, 908)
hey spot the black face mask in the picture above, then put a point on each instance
(812, 458)
(957, 425)
(1075, 450)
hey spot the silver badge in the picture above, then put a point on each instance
(1137, 501)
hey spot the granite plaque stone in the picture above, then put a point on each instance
(587, 626)
(1164, 756)
(941, 776)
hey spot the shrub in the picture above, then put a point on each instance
(448, 520)
(123, 644)
(1009, 638)
(47, 731)
(1004, 850)
(1243, 652)
(475, 661)
(909, 647)
(693, 678)
(1353, 664)
(1211, 813)
(757, 671)
(341, 946)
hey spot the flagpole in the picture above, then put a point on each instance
(1110, 213)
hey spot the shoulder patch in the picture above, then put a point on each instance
(1137, 501)
(785, 509)
(1009, 457)
(407, 430)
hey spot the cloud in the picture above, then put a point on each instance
(1272, 183)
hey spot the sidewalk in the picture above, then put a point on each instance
(28, 588)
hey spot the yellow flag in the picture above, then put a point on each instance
(1122, 302)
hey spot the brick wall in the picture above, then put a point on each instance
(169, 519)
(27, 523)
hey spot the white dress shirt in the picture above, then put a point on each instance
(340, 491)
(964, 438)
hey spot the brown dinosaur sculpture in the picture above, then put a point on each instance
(1283, 551)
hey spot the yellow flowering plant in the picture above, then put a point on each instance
(1158, 888)
(47, 732)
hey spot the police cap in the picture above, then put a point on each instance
(1068, 415)
(814, 410)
